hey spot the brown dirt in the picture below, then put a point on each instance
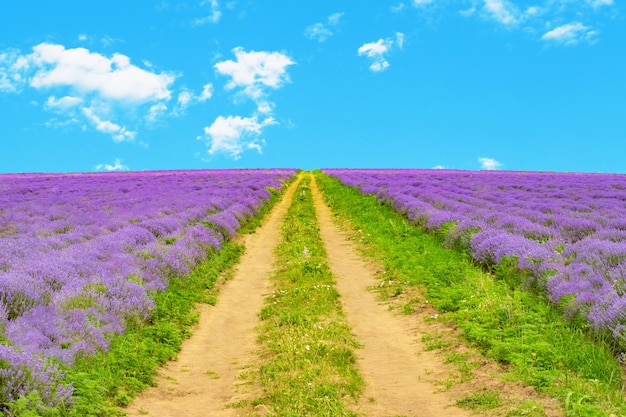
(207, 376)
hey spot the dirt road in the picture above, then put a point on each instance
(401, 376)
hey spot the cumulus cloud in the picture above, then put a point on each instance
(214, 15)
(322, 31)
(489, 163)
(255, 72)
(570, 34)
(116, 166)
(376, 51)
(112, 78)
(233, 135)
(100, 91)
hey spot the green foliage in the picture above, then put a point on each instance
(503, 321)
(481, 400)
(32, 406)
(308, 346)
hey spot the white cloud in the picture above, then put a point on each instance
(489, 163)
(439, 167)
(570, 34)
(233, 135)
(255, 71)
(376, 51)
(12, 69)
(207, 92)
(63, 103)
(420, 3)
(87, 72)
(116, 166)
(156, 112)
(213, 17)
(106, 92)
(333, 19)
(320, 31)
(82, 37)
(184, 98)
(265, 107)
(119, 133)
(503, 11)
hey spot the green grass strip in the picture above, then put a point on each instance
(510, 325)
(308, 350)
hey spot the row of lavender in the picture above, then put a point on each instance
(81, 255)
(568, 230)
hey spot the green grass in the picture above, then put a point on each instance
(481, 400)
(514, 327)
(308, 355)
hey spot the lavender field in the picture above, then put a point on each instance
(566, 232)
(81, 256)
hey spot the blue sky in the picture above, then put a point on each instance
(463, 84)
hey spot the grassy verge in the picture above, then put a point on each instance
(514, 327)
(109, 380)
(308, 355)
(113, 378)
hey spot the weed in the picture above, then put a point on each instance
(481, 400)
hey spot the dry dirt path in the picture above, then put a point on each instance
(393, 363)
(203, 380)
(400, 374)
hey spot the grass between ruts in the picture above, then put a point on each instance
(308, 361)
(512, 326)
(107, 380)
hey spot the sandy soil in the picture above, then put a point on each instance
(205, 378)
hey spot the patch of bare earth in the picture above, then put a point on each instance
(208, 377)
(402, 377)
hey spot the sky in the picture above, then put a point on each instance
(213, 84)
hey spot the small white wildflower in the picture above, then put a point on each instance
(307, 347)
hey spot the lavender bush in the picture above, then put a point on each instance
(82, 254)
(567, 231)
